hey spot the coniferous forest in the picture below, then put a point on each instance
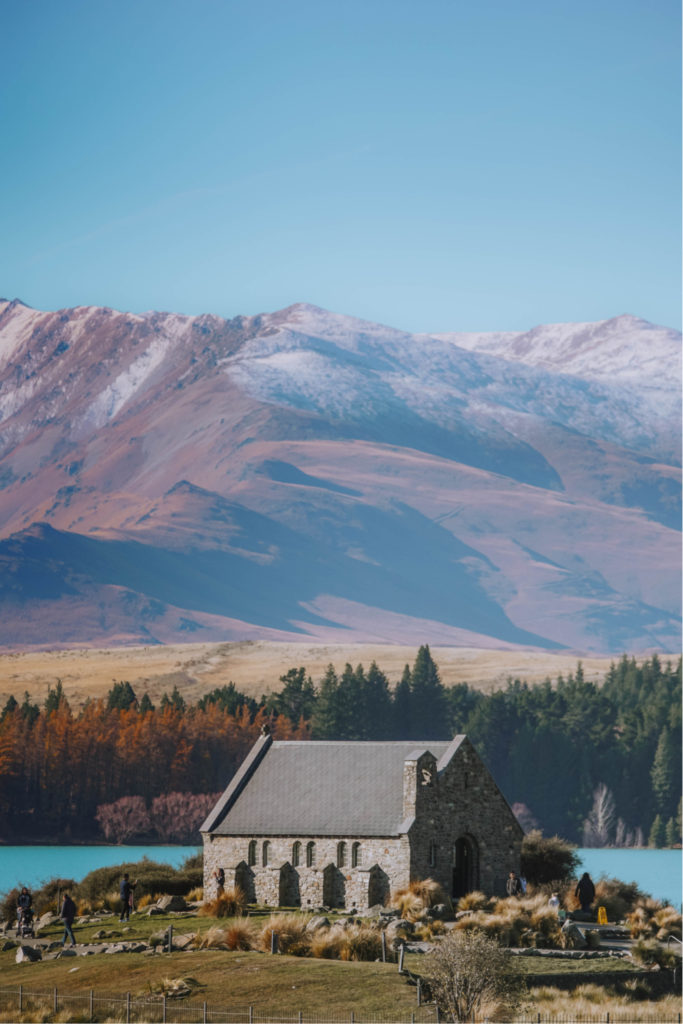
(597, 764)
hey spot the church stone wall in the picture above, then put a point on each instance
(392, 854)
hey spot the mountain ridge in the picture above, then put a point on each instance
(543, 503)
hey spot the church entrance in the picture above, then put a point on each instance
(465, 866)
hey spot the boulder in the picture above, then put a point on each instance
(28, 954)
(398, 931)
(182, 942)
(6, 944)
(67, 951)
(171, 903)
(317, 922)
(573, 936)
(115, 947)
(47, 919)
(154, 911)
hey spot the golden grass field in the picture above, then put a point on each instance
(255, 667)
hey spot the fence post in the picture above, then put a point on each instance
(353, 1017)
(301, 1016)
(251, 1015)
(204, 1017)
(273, 942)
(401, 957)
(438, 1015)
(163, 1009)
(21, 999)
(91, 1005)
(384, 947)
(170, 940)
(55, 1000)
(127, 1007)
(419, 991)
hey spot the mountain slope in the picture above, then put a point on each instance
(306, 473)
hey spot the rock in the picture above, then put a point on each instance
(573, 936)
(398, 931)
(115, 947)
(183, 941)
(158, 938)
(171, 903)
(317, 922)
(441, 911)
(28, 954)
(154, 911)
(101, 934)
(140, 947)
(46, 920)
(66, 952)
(7, 944)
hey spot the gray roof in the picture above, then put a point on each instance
(320, 788)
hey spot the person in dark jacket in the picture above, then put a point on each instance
(24, 907)
(513, 886)
(67, 914)
(585, 890)
(125, 892)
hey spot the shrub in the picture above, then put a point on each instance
(417, 897)
(649, 951)
(468, 968)
(213, 938)
(230, 903)
(196, 895)
(326, 943)
(547, 859)
(617, 897)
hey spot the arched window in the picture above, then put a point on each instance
(265, 852)
(251, 855)
(310, 854)
(341, 855)
(296, 854)
(355, 855)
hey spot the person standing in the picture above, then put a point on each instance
(585, 890)
(513, 886)
(67, 914)
(125, 892)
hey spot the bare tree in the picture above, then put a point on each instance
(598, 825)
(467, 969)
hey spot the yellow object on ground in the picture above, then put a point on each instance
(602, 915)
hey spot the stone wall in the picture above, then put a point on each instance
(463, 803)
(324, 883)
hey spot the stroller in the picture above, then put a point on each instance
(25, 922)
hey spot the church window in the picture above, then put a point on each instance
(355, 855)
(265, 852)
(296, 854)
(251, 855)
(341, 855)
(310, 855)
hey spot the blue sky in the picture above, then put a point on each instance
(431, 164)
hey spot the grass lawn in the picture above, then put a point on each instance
(280, 984)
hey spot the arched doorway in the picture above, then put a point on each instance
(465, 866)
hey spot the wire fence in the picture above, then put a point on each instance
(114, 1007)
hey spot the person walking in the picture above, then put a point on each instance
(67, 914)
(585, 891)
(125, 892)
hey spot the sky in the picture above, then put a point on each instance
(435, 165)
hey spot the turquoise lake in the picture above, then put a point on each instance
(657, 872)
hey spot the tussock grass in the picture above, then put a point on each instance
(290, 929)
(591, 1000)
(361, 943)
(230, 903)
(418, 897)
(196, 894)
(517, 922)
(474, 900)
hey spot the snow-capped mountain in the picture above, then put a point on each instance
(307, 473)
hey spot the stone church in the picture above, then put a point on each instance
(347, 824)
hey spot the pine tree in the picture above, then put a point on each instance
(121, 697)
(377, 704)
(662, 773)
(429, 704)
(324, 721)
(672, 834)
(402, 707)
(656, 837)
(146, 704)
